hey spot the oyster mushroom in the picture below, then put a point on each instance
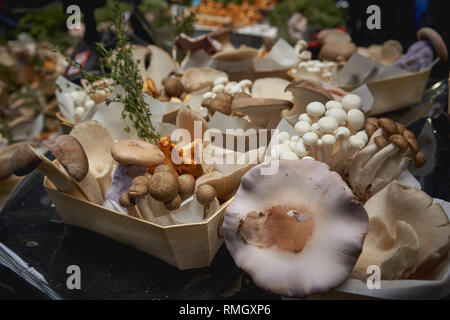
(194, 79)
(264, 113)
(408, 234)
(271, 88)
(26, 159)
(97, 143)
(72, 157)
(297, 232)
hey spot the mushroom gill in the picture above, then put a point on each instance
(296, 232)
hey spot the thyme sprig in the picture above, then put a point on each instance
(118, 64)
(124, 71)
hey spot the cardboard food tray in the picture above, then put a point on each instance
(184, 246)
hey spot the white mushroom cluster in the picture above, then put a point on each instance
(332, 133)
(81, 102)
(322, 70)
(222, 84)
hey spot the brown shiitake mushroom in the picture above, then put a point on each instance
(138, 187)
(173, 204)
(222, 103)
(205, 194)
(187, 185)
(163, 168)
(163, 186)
(173, 87)
(126, 201)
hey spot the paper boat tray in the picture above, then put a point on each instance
(184, 246)
(395, 93)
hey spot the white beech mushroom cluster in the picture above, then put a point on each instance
(323, 70)
(222, 93)
(332, 133)
(389, 152)
(82, 103)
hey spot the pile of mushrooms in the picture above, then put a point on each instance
(408, 234)
(329, 132)
(309, 69)
(156, 178)
(391, 149)
(300, 239)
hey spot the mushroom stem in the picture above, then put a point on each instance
(205, 211)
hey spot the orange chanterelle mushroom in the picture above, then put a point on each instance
(297, 232)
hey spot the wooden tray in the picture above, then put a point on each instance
(185, 246)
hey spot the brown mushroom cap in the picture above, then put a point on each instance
(381, 142)
(187, 185)
(205, 194)
(71, 155)
(400, 141)
(163, 186)
(420, 159)
(137, 152)
(388, 125)
(297, 232)
(126, 201)
(173, 87)
(330, 51)
(24, 160)
(221, 103)
(164, 167)
(138, 187)
(173, 204)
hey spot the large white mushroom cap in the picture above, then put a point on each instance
(297, 232)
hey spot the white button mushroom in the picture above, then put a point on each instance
(89, 104)
(355, 119)
(218, 88)
(283, 136)
(333, 104)
(327, 124)
(302, 127)
(288, 155)
(313, 70)
(79, 111)
(315, 109)
(305, 117)
(351, 101)
(300, 149)
(245, 83)
(220, 80)
(339, 114)
(363, 135)
(209, 95)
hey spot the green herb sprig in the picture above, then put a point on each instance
(124, 71)
(119, 65)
